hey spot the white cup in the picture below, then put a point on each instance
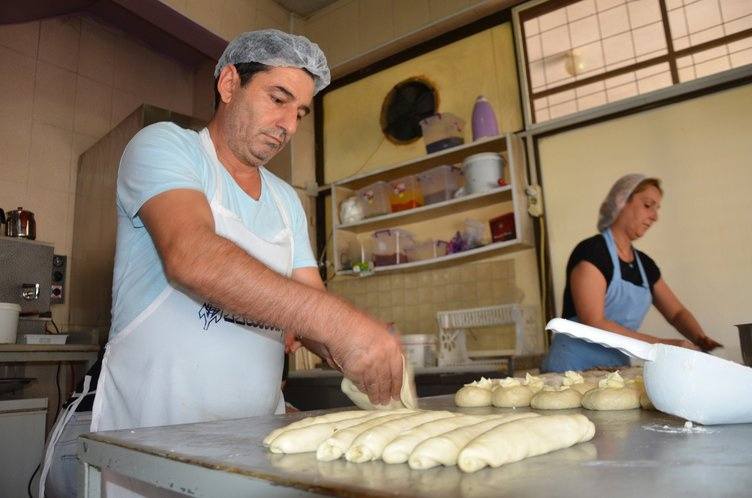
(9, 322)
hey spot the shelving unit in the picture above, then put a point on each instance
(440, 220)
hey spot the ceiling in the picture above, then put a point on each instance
(304, 8)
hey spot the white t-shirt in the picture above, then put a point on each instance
(164, 157)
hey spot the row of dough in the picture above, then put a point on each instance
(611, 392)
(426, 439)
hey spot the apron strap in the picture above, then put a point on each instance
(58, 430)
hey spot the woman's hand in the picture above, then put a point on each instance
(707, 344)
(682, 343)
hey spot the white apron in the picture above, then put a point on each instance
(183, 360)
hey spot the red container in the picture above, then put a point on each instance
(502, 227)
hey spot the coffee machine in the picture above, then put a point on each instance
(26, 269)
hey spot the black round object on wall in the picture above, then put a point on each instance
(404, 106)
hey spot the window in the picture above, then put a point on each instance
(582, 54)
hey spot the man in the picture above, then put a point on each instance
(213, 261)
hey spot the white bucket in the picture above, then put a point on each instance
(420, 349)
(482, 172)
(9, 322)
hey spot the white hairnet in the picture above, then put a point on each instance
(617, 198)
(279, 49)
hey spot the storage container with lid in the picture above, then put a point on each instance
(405, 193)
(440, 183)
(390, 247)
(427, 249)
(442, 131)
(374, 199)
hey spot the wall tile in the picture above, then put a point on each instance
(444, 8)
(22, 38)
(54, 95)
(50, 157)
(238, 16)
(96, 59)
(93, 107)
(59, 42)
(376, 24)
(15, 143)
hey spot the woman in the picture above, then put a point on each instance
(611, 285)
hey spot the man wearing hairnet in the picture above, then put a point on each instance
(611, 285)
(214, 274)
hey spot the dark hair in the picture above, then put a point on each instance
(246, 70)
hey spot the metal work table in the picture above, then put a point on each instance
(633, 453)
(22, 353)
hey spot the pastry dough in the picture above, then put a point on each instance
(336, 445)
(408, 394)
(525, 438)
(308, 438)
(370, 444)
(400, 448)
(583, 387)
(550, 398)
(329, 417)
(444, 448)
(472, 396)
(512, 397)
(611, 398)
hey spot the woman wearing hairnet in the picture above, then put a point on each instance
(611, 285)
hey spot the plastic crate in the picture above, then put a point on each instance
(452, 325)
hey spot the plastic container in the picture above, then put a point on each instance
(45, 338)
(472, 233)
(442, 131)
(428, 249)
(405, 193)
(482, 172)
(390, 247)
(9, 322)
(440, 183)
(374, 199)
(420, 349)
(502, 227)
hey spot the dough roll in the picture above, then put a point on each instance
(336, 445)
(329, 417)
(444, 448)
(525, 438)
(400, 448)
(308, 438)
(370, 444)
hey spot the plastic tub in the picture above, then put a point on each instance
(502, 227)
(390, 247)
(9, 322)
(442, 131)
(482, 172)
(440, 183)
(374, 199)
(428, 249)
(420, 349)
(405, 193)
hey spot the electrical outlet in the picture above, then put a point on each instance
(534, 201)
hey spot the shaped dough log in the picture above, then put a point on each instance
(336, 445)
(521, 439)
(398, 451)
(444, 448)
(408, 393)
(370, 444)
(611, 398)
(512, 397)
(329, 417)
(472, 396)
(556, 400)
(308, 438)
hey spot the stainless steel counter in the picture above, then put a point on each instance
(633, 453)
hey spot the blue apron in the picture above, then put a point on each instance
(626, 304)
